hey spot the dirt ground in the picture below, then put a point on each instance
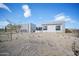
(37, 44)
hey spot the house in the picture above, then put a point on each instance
(55, 26)
(38, 29)
(28, 27)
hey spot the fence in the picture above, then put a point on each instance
(5, 36)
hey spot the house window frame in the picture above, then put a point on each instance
(58, 27)
(44, 27)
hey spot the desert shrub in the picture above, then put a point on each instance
(0, 40)
(76, 32)
(2, 30)
(75, 47)
(68, 31)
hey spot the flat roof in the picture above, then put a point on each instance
(54, 23)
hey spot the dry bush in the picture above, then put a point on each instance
(76, 32)
(68, 31)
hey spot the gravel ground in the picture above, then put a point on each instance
(38, 44)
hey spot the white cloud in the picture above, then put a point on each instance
(69, 22)
(4, 7)
(3, 24)
(62, 17)
(27, 11)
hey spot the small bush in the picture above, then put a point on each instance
(68, 31)
(0, 41)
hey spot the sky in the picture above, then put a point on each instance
(39, 13)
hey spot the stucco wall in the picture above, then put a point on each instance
(52, 28)
(28, 27)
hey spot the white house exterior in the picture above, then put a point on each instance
(32, 27)
(28, 27)
(56, 26)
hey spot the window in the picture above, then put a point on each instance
(57, 27)
(39, 28)
(45, 28)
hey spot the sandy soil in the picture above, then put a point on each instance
(38, 44)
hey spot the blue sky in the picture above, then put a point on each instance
(41, 13)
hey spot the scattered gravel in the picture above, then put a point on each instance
(38, 44)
